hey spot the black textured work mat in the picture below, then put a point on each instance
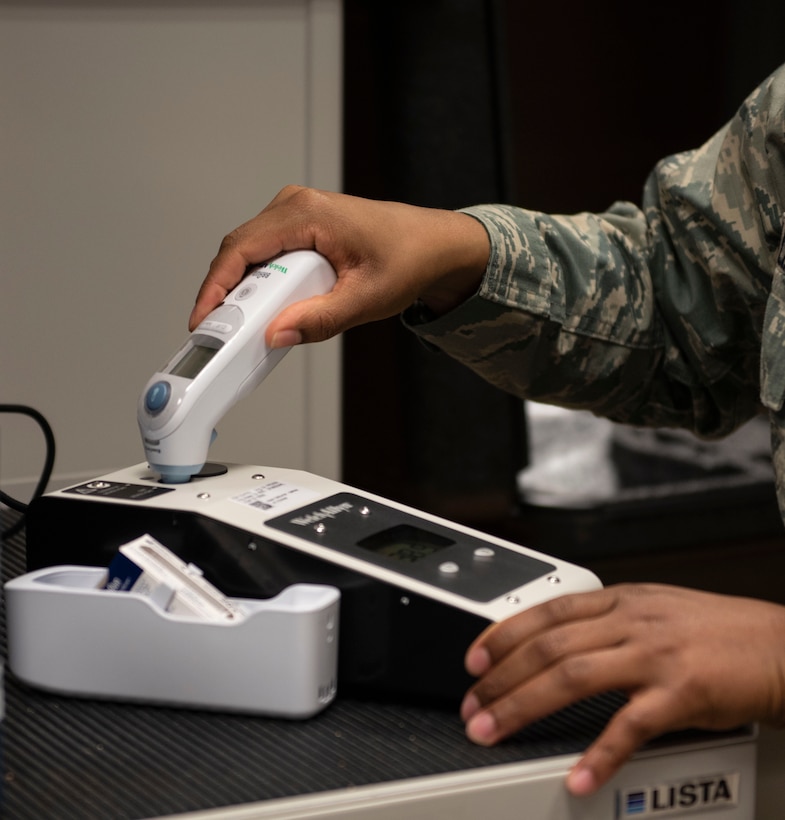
(86, 759)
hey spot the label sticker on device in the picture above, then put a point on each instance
(117, 489)
(274, 494)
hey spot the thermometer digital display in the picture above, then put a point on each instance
(193, 361)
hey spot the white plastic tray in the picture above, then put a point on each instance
(68, 635)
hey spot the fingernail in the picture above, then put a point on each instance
(286, 338)
(581, 781)
(481, 728)
(469, 707)
(478, 661)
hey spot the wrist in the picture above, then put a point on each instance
(465, 259)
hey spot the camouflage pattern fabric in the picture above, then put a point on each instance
(667, 314)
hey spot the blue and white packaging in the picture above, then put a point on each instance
(146, 567)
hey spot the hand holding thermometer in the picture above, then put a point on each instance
(223, 360)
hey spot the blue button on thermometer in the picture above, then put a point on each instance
(157, 396)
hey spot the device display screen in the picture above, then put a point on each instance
(194, 361)
(405, 542)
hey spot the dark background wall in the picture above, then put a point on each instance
(555, 106)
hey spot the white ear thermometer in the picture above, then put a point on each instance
(223, 360)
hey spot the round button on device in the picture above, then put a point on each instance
(449, 568)
(157, 396)
(245, 291)
(484, 553)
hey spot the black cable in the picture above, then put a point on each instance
(46, 472)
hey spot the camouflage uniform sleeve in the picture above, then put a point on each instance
(647, 314)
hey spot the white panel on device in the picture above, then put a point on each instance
(374, 536)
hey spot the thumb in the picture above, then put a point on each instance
(310, 320)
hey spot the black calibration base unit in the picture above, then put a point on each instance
(415, 589)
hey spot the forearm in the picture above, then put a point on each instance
(650, 315)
